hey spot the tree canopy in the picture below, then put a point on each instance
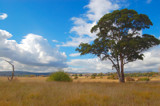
(119, 39)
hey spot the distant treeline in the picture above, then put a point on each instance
(146, 74)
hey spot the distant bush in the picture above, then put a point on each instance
(80, 75)
(93, 76)
(100, 75)
(75, 76)
(112, 76)
(130, 79)
(32, 76)
(43, 75)
(86, 76)
(143, 79)
(148, 74)
(59, 76)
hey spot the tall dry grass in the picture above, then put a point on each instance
(34, 93)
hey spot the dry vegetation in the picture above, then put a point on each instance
(35, 91)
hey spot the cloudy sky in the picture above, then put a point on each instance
(41, 35)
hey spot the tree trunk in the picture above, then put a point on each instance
(12, 71)
(119, 75)
(122, 75)
(122, 79)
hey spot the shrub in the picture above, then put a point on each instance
(93, 76)
(143, 79)
(75, 76)
(80, 75)
(130, 79)
(101, 75)
(59, 76)
(32, 76)
(112, 76)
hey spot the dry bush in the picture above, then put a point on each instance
(130, 79)
(93, 76)
(113, 76)
(75, 76)
(32, 75)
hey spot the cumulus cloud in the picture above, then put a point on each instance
(23, 67)
(97, 8)
(33, 50)
(151, 62)
(3, 16)
(89, 65)
(83, 25)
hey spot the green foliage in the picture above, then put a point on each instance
(32, 75)
(143, 79)
(114, 37)
(112, 76)
(130, 79)
(93, 76)
(148, 74)
(59, 76)
(100, 75)
(118, 38)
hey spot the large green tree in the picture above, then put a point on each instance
(119, 39)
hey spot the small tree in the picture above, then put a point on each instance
(118, 39)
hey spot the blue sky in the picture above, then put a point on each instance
(46, 32)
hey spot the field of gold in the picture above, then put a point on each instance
(36, 91)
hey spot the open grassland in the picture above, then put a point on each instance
(35, 91)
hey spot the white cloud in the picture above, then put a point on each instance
(3, 16)
(33, 50)
(151, 62)
(149, 1)
(83, 25)
(74, 54)
(55, 41)
(23, 67)
(77, 40)
(89, 65)
(82, 28)
(97, 8)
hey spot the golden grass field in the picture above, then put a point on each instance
(36, 91)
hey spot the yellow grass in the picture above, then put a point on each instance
(97, 79)
(35, 91)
